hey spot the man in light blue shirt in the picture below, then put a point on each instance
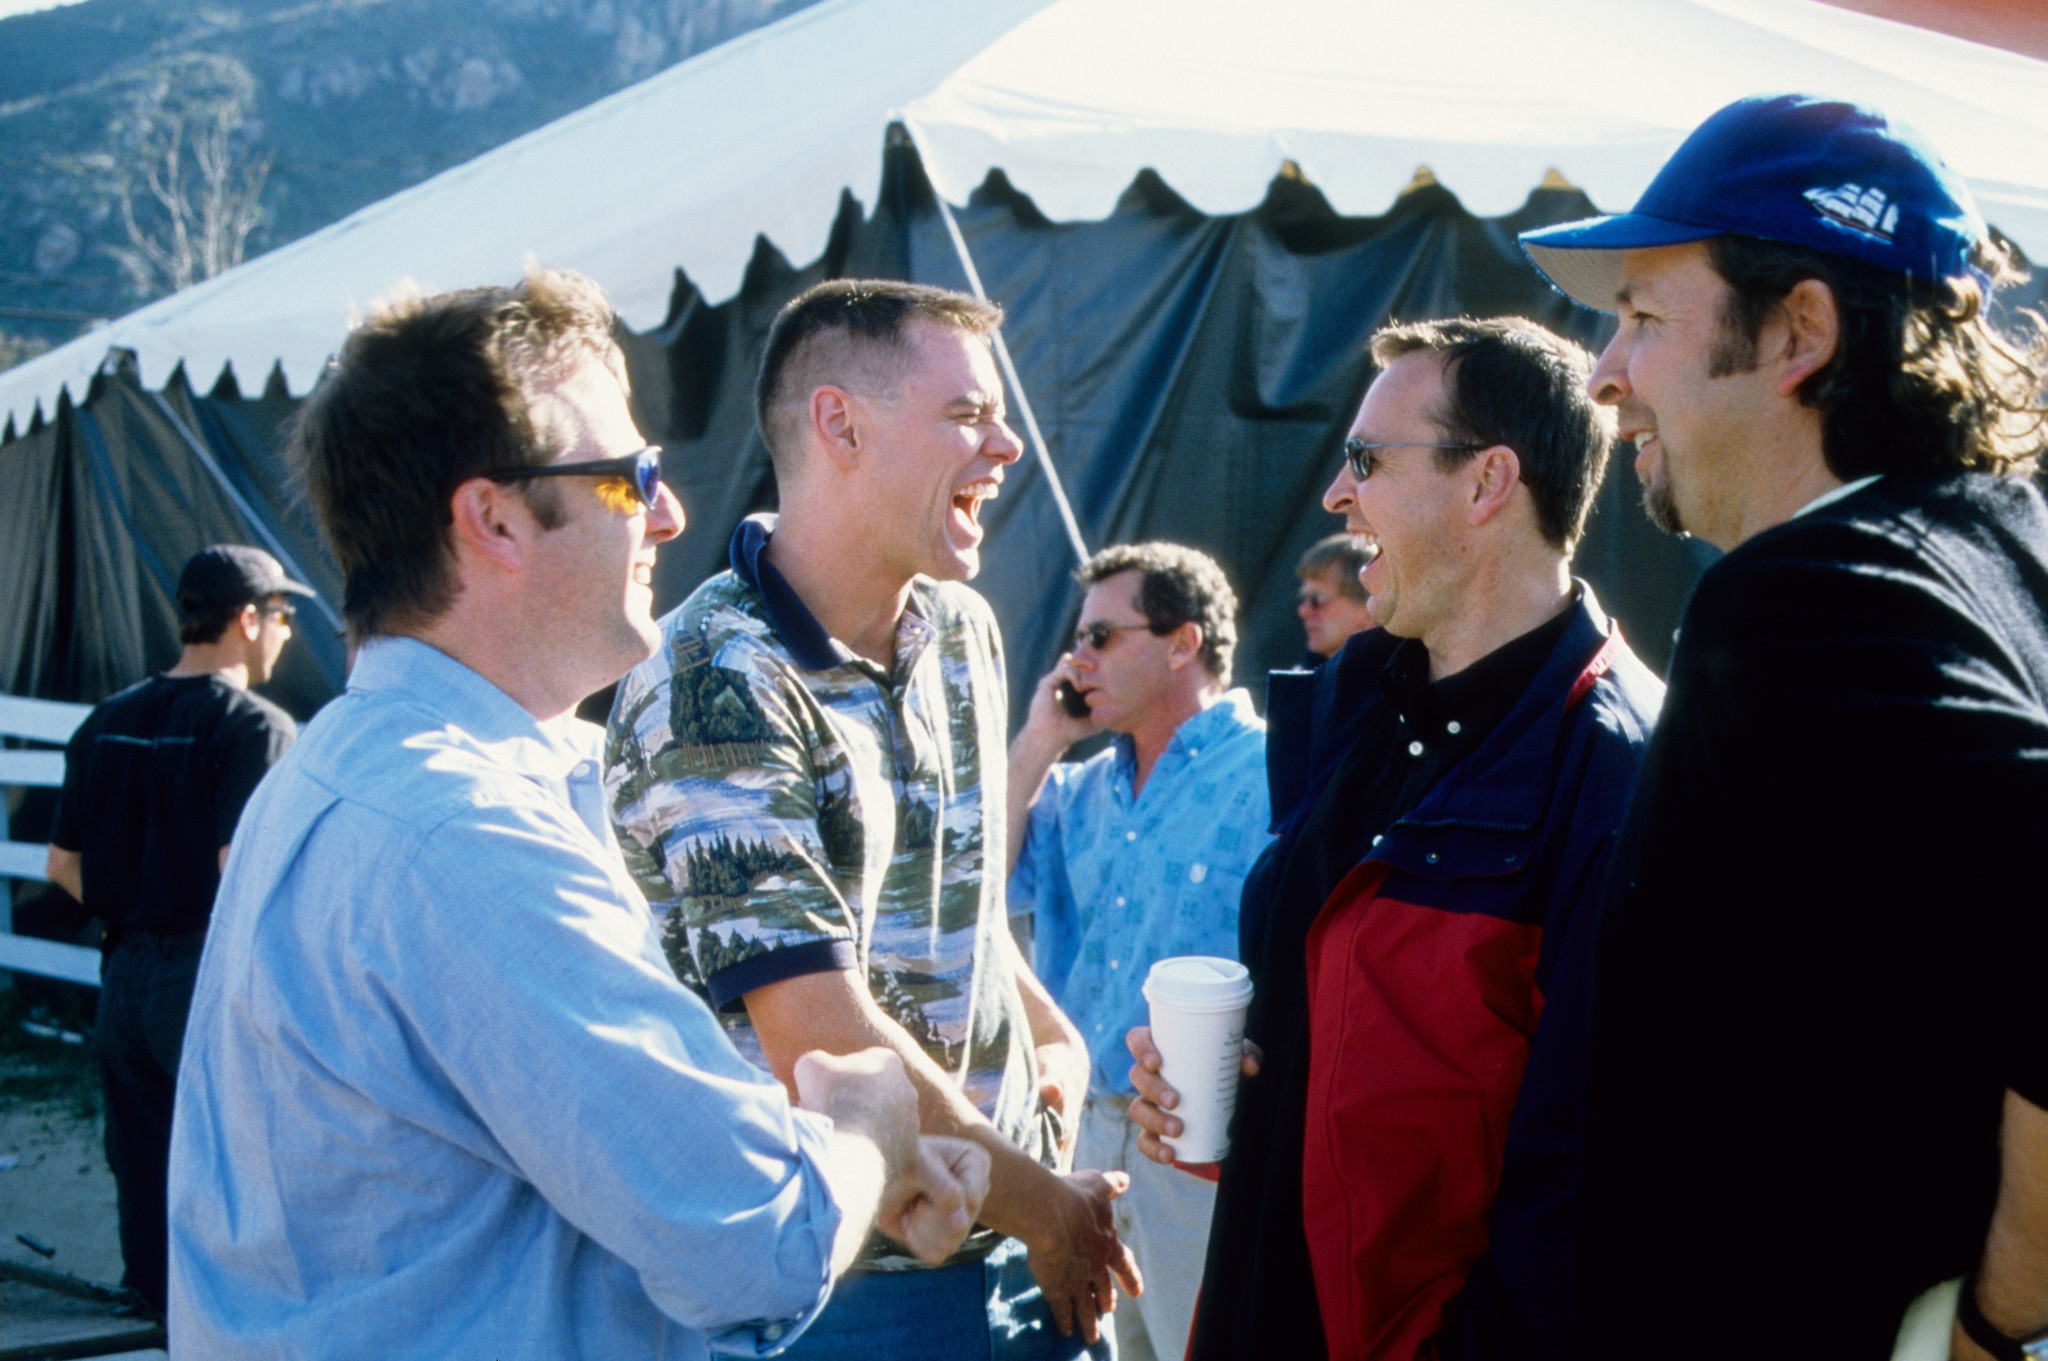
(441, 1095)
(1136, 855)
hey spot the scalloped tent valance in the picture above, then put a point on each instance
(1071, 98)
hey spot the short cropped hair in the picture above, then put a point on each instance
(1179, 585)
(852, 333)
(426, 394)
(1509, 381)
(1920, 381)
(1338, 556)
(208, 627)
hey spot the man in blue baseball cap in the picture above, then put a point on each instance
(1820, 1069)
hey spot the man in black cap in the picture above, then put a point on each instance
(1819, 1073)
(154, 781)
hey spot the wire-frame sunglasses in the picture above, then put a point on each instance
(1363, 455)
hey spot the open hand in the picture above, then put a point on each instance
(1078, 1260)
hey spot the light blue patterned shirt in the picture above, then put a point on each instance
(1115, 883)
(441, 1095)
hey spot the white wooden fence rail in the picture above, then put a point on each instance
(45, 721)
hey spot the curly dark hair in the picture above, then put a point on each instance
(1179, 585)
(1920, 382)
(1509, 381)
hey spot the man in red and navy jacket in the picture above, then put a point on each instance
(1403, 1173)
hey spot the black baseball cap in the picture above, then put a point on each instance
(1822, 173)
(228, 576)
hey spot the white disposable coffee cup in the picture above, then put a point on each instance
(1198, 1004)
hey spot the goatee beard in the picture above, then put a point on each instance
(1662, 509)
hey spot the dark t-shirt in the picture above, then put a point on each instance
(1823, 944)
(154, 781)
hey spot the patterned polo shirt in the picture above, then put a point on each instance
(791, 808)
(1116, 883)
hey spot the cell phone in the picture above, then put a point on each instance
(1070, 699)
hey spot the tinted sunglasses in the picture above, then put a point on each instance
(1098, 634)
(641, 471)
(1364, 456)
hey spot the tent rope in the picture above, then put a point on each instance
(1052, 474)
(256, 522)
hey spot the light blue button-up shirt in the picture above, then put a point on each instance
(1115, 883)
(441, 1095)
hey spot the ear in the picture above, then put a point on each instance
(492, 524)
(1495, 472)
(1187, 645)
(250, 622)
(835, 424)
(1813, 330)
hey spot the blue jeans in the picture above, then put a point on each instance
(989, 1310)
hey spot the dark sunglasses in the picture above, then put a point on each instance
(281, 611)
(1098, 634)
(641, 471)
(1364, 455)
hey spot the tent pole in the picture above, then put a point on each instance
(1052, 474)
(255, 521)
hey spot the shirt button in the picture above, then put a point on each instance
(1130, 836)
(1415, 748)
(1120, 902)
(1452, 728)
(1432, 857)
(1114, 962)
(773, 1332)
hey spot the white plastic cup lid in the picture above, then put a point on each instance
(1199, 983)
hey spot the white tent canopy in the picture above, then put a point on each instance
(1072, 98)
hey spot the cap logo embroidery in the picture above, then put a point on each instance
(1867, 212)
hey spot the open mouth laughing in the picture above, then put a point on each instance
(968, 500)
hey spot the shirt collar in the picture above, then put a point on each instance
(798, 629)
(1232, 710)
(794, 624)
(1470, 702)
(1828, 498)
(486, 715)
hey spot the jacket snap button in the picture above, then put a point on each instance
(1432, 857)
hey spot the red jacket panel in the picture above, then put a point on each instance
(1421, 1023)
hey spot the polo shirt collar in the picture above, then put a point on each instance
(791, 619)
(792, 622)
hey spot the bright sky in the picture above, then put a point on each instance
(11, 7)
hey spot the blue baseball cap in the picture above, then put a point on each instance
(1820, 173)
